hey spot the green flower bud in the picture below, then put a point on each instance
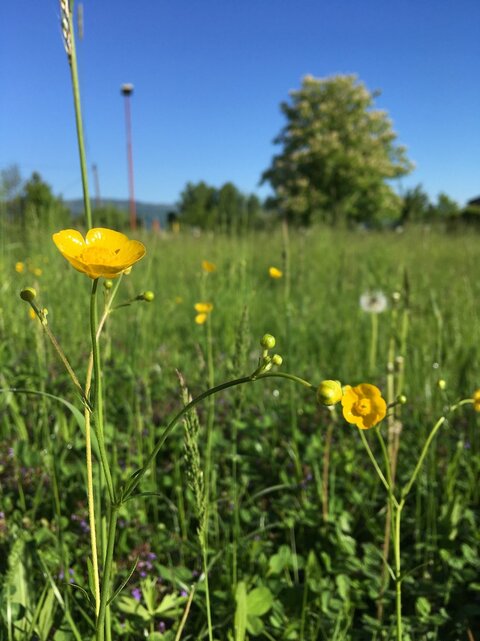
(107, 284)
(402, 399)
(28, 294)
(268, 341)
(442, 384)
(277, 359)
(329, 392)
(148, 296)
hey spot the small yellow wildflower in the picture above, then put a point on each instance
(103, 252)
(19, 267)
(476, 400)
(208, 267)
(363, 405)
(274, 272)
(203, 310)
(37, 271)
(31, 313)
(329, 392)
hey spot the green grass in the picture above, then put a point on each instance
(278, 570)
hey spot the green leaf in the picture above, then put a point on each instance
(259, 601)
(254, 625)
(171, 605)
(423, 607)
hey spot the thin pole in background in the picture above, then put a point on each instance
(127, 90)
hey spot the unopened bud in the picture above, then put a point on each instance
(442, 384)
(277, 359)
(268, 341)
(402, 399)
(148, 296)
(329, 392)
(107, 284)
(28, 294)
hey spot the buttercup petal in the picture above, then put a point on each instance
(70, 242)
(108, 238)
(130, 252)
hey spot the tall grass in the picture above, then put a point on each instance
(277, 568)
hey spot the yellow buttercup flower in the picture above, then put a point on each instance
(19, 267)
(208, 267)
(273, 272)
(476, 400)
(363, 405)
(203, 310)
(103, 252)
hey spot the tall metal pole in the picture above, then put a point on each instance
(127, 90)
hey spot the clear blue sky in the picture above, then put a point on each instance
(209, 76)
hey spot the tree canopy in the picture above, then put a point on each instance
(226, 208)
(337, 154)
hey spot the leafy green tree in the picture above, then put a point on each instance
(112, 217)
(416, 206)
(337, 154)
(446, 207)
(226, 208)
(39, 206)
(198, 206)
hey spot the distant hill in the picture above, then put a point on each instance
(147, 212)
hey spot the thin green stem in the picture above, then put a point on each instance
(386, 459)
(60, 352)
(207, 590)
(72, 59)
(98, 394)
(373, 342)
(107, 572)
(398, 572)
(91, 511)
(430, 438)
(208, 474)
(376, 466)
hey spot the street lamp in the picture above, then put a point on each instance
(127, 90)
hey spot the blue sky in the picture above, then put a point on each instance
(209, 76)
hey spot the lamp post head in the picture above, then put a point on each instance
(127, 89)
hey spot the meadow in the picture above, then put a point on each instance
(296, 516)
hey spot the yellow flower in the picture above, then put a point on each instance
(103, 252)
(363, 405)
(329, 392)
(19, 267)
(208, 267)
(476, 400)
(203, 310)
(31, 313)
(273, 272)
(37, 271)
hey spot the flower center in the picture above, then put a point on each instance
(363, 407)
(97, 256)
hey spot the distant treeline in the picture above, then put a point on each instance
(31, 203)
